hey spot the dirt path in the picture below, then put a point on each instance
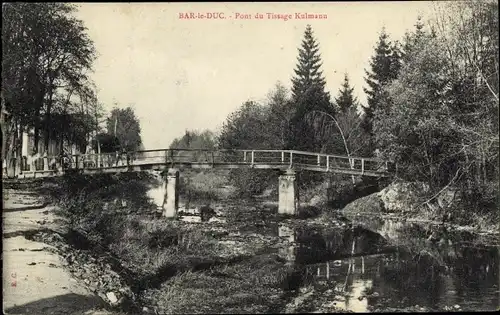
(34, 281)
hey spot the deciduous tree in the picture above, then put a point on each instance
(124, 125)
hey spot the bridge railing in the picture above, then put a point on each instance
(294, 158)
(37, 163)
(278, 158)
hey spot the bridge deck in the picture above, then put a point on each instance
(206, 159)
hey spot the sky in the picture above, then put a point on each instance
(186, 74)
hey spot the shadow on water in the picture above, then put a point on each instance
(355, 269)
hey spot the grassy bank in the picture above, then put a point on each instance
(176, 266)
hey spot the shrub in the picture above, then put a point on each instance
(249, 182)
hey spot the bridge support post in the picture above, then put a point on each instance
(288, 202)
(60, 166)
(329, 188)
(171, 199)
(45, 161)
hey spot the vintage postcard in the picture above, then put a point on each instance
(163, 158)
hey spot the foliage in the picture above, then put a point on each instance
(124, 125)
(196, 141)
(46, 55)
(256, 126)
(384, 67)
(204, 140)
(447, 83)
(245, 128)
(279, 116)
(107, 143)
(308, 93)
(345, 99)
(343, 135)
(249, 182)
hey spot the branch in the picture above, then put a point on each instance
(336, 123)
(452, 180)
(485, 81)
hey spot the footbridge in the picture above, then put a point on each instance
(171, 161)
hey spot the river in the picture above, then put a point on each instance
(394, 266)
(356, 270)
(366, 264)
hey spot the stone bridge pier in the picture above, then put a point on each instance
(288, 193)
(171, 199)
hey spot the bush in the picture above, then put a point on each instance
(204, 185)
(249, 182)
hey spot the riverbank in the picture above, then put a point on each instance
(35, 279)
(409, 202)
(247, 258)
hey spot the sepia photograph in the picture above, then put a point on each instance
(250, 157)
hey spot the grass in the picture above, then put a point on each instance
(178, 266)
(202, 185)
(197, 268)
(249, 287)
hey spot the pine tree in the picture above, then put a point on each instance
(385, 65)
(411, 40)
(308, 92)
(346, 99)
(308, 73)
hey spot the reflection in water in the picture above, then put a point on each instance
(345, 268)
(351, 301)
(312, 245)
(287, 252)
(157, 192)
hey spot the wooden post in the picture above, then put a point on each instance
(244, 156)
(45, 161)
(282, 156)
(253, 157)
(98, 154)
(33, 164)
(319, 160)
(327, 270)
(61, 165)
(291, 159)
(327, 163)
(362, 166)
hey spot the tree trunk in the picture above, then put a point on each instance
(3, 122)
(11, 160)
(36, 133)
(39, 105)
(19, 154)
(47, 130)
(48, 116)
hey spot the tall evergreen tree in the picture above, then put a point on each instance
(385, 65)
(308, 92)
(411, 40)
(346, 99)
